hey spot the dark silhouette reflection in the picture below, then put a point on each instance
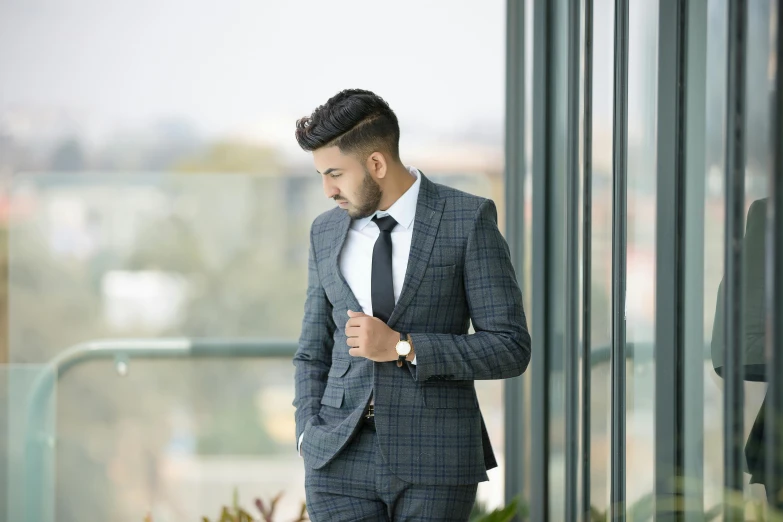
(753, 245)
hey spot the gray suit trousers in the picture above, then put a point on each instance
(357, 485)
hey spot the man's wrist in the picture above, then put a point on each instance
(394, 345)
(411, 355)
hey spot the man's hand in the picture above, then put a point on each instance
(370, 337)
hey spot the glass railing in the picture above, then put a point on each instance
(177, 462)
(195, 283)
(144, 444)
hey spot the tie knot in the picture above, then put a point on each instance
(385, 223)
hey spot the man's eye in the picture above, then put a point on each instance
(335, 175)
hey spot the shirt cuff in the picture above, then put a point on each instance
(299, 447)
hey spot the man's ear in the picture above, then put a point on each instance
(377, 165)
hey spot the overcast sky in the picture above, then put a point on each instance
(252, 66)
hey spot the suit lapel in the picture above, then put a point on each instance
(341, 227)
(429, 209)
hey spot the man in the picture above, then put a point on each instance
(387, 418)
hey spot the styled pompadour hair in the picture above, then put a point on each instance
(358, 122)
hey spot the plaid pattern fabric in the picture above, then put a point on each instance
(429, 425)
(358, 486)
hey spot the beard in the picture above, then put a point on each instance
(368, 199)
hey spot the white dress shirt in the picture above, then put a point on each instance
(356, 254)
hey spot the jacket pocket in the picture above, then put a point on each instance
(339, 367)
(449, 396)
(334, 392)
(440, 272)
(333, 395)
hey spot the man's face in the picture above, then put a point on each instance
(348, 182)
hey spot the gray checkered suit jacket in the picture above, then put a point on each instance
(427, 417)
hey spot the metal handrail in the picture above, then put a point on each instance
(122, 351)
(172, 348)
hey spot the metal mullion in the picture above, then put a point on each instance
(572, 294)
(514, 410)
(587, 167)
(619, 223)
(734, 295)
(541, 273)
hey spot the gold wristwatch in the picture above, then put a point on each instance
(403, 348)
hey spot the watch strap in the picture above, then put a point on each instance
(401, 358)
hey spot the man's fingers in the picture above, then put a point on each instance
(356, 321)
(352, 331)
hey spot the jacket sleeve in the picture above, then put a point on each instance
(313, 357)
(500, 346)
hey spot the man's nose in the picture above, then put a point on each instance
(329, 189)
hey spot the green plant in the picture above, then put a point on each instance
(505, 514)
(267, 514)
(598, 516)
(644, 509)
(237, 514)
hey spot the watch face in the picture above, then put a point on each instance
(403, 348)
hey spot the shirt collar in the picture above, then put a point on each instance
(403, 210)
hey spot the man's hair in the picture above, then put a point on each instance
(359, 122)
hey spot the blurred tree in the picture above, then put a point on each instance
(153, 149)
(232, 156)
(68, 156)
(4, 355)
(169, 244)
(172, 140)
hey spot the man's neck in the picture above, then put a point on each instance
(398, 181)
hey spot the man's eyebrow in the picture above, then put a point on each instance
(329, 171)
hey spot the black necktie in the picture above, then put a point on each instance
(382, 286)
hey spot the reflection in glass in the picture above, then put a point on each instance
(757, 149)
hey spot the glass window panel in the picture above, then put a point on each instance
(640, 253)
(556, 256)
(600, 277)
(759, 96)
(714, 241)
(760, 92)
